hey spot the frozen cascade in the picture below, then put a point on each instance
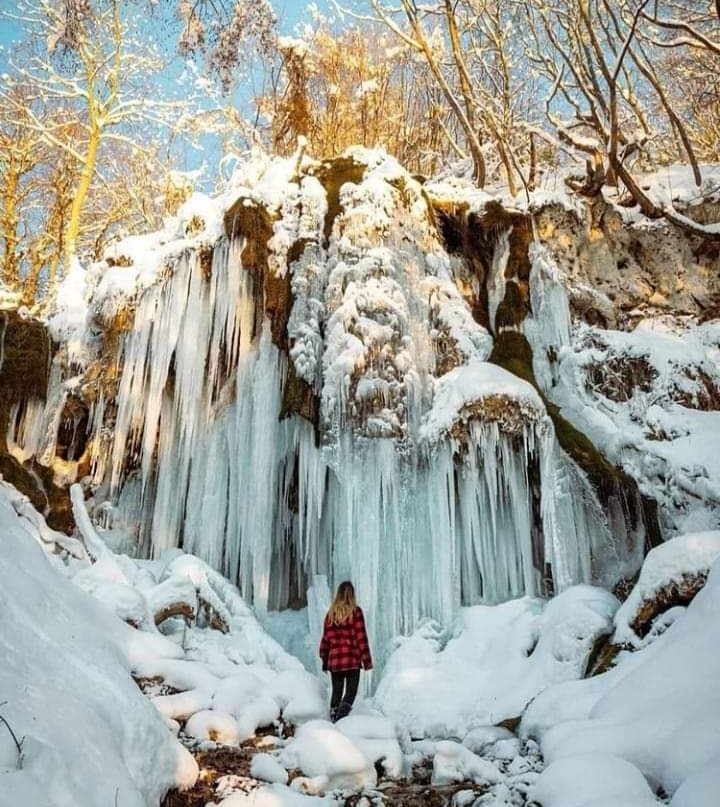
(26, 429)
(571, 511)
(548, 329)
(200, 451)
(496, 278)
(33, 425)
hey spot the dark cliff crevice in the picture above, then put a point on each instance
(332, 175)
(26, 351)
(273, 297)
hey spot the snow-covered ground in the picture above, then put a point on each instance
(492, 662)
(87, 735)
(657, 713)
(649, 726)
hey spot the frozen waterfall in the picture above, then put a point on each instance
(421, 526)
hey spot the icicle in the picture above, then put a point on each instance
(200, 452)
(548, 330)
(496, 278)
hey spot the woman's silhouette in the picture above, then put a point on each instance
(344, 649)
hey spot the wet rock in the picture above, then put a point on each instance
(677, 592)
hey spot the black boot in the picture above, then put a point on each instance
(342, 711)
(333, 715)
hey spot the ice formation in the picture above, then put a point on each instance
(411, 465)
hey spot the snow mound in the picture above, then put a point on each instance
(66, 679)
(276, 795)
(319, 749)
(232, 678)
(482, 390)
(701, 788)
(658, 709)
(685, 556)
(214, 726)
(496, 661)
(376, 737)
(455, 763)
(267, 768)
(592, 781)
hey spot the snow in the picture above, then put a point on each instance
(609, 740)
(376, 737)
(88, 707)
(455, 763)
(700, 789)
(213, 725)
(473, 383)
(658, 709)
(276, 795)
(267, 768)
(585, 780)
(685, 555)
(662, 434)
(321, 750)
(478, 739)
(69, 320)
(495, 661)
(675, 184)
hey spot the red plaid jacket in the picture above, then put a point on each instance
(345, 646)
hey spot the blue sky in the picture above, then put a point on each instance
(289, 12)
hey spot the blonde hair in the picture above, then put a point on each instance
(344, 603)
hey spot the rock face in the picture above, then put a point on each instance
(381, 366)
(618, 274)
(25, 358)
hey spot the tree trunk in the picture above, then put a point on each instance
(9, 226)
(86, 176)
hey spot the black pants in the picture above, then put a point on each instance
(344, 689)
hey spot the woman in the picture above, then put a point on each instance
(344, 649)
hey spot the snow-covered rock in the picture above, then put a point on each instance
(455, 763)
(592, 780)
(658, 709)
(671, 575)
(319, 749)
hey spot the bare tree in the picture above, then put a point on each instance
(220, 30)
(472, 50)
(607, 96)
(355, 86)
(95, 73)
(22, 149)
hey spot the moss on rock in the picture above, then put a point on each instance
(299, 398)
(332, 175)
(25, 367)
(515, 306)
